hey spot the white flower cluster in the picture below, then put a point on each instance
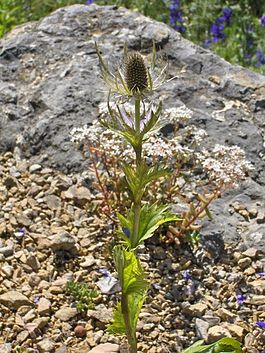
(225, 165)
(159, 147)
(178, 115)
(89, 134)
(197, 135)
(101, 138)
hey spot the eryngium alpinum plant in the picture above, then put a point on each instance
(139, 164)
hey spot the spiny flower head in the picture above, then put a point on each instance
(136, 73)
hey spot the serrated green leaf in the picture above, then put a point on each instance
(151, 218)
(117, 326)
(134, 288)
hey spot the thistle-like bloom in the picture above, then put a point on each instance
(135, 76)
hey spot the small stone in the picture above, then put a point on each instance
(80, 331)
(244, 263)
(63, 241)
(35, 168)
(66, 313)
(256, 300)
(14, 300)
(45, 345)
(201, 327)
(236, 331)
(53, 202)
(7, 270)
(197, 309)
(217, 332)
(101, 313)
(44, 307)
(225, 314)
(251, 252)
(105, 348)
(6, 251)
(89, 261)
(159, 253)
(80, 195)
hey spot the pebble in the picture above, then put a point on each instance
(45, 345)
(35, 168)
(66, 313)
(197, 309)
(105, 348)
(44, 306)
(217, 332)
(14, 299)
(244, 263)
(63, 241)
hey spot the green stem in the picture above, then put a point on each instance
(138, 161)
(130, 333)
(137, 113)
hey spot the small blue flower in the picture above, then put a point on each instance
(36, 299)
(207, 43)
(104, 272)
(186, 275)
(156, 286)
(241, 298)
(260, 273)
(126, 232)
(88, 2)
(262, 20)
(261, 324)
(175, 16)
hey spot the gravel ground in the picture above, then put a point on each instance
(50, 234)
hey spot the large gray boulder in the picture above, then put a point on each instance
(50, 82)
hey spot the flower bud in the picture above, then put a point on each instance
(136, 73)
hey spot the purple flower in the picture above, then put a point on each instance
(260, 273)
(260, 57)
(175, 16)
(262, 20)
(104, 272)
(126, 232)
(227, 13)
(36, 299)
(88, 2)
(186, 275)
(207, 43)
(156, 286)
(261, 324)
(241, 298)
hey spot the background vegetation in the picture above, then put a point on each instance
(234, 29)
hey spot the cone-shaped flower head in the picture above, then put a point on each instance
(135, 76)
(136, 73)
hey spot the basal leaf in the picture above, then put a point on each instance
(224, 345)
(227, 344)
(117, 326)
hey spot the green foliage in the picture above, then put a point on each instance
(134, 288)
(224, 345)
(82, 295)
(151, 218)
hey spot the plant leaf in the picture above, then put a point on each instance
(134, 286)
(224, 345)
(151, 218)
(117, 326)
